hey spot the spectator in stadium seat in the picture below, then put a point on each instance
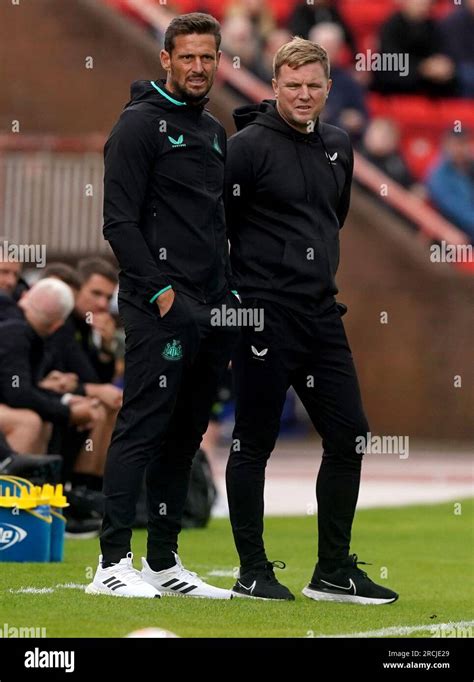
(273, 42)
(259, 13)
(451, 182)
(306, 15)
(240, 40)
(411, 31)
(345, 107)
(458, 35)
(380, 146)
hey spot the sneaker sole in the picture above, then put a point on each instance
(251, 596)
(92, 589)
(346, 598)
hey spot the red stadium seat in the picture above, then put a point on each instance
(422, 122)
(281, 8)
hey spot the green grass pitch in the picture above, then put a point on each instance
(427, 552)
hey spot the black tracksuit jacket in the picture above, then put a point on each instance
(287, 196)
(163, 208)
(22, 366)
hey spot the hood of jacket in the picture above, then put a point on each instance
(266, 114)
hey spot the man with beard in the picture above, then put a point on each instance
(164, 219)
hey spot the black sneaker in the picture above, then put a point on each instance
(347, 584)
(82, 529)
(84, 514)
(38, 469)
(85, 503)
(260, 583)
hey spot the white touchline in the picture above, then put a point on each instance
(402, 630)
(72, 586)
(48, 590)
(33, 590)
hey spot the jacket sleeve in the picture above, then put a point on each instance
(105, 369)
(345, 199)
(228, 269)
(129, 157)
(16, 382)
(67, 355)
(239, 185)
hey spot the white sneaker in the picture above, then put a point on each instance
(121, 580)
(178, 581)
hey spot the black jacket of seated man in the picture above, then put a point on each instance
(101, 362)
(22, 366)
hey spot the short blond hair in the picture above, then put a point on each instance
(298, 52)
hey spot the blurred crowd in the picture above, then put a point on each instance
(436, 34)
(441, 64)
(441, 50)
(61, 361)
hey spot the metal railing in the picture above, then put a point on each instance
(51, 193)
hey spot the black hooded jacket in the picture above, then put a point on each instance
(287, 196)
(163, 196)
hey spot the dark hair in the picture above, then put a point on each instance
(96, 266)
(195, 22)
(63, 272)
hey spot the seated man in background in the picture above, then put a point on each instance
(411, 31)
(306, 15)
(345, 106)
(68, 358)
(45, 307)
(11, 281)
(380, 146)
(94, 326)
(457, 30)
(43, 310)
(451, 182)
(10, 274)
(24, 430)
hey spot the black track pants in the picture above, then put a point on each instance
(172, 368)
(312, 354)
